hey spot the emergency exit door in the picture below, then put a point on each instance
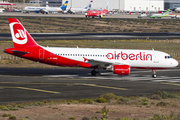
(41, 54)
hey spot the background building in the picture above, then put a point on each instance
(52, 3)
(170, 4)
(122, 5)
(36, 2)
(142, 5)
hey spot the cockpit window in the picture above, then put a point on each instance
(168, 57)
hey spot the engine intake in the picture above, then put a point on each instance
(121, 69)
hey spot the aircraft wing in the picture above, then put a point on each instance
(101, 63)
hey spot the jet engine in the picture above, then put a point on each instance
(119, 69)
(37, 11)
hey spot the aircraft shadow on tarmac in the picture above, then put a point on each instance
(50, 71)
(81, 72)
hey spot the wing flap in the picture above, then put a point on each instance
(101, 63)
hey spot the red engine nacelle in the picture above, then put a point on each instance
(121, 69)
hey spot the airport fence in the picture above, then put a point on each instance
(10, 58)
(175, 54)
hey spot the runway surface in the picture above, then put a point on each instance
(36, 84)
(93, 36)
(117, 16)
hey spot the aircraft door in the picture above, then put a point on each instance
(156, 57)
(41, 54)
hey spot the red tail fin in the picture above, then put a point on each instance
(21, 38)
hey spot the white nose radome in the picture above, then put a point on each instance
(174, 63)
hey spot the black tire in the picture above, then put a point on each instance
(154, 76)
(93, 73)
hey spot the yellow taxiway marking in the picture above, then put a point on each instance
(69, 79)
(104, 86)
(171, 84)
(93, 85)
(34, 83)
(33, 89)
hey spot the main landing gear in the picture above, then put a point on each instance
(153, 73)
(95, 73)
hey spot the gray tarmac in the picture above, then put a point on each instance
(96, 36)
(32, 14)
(37, 84)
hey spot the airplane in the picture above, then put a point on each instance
(176, 9)
(46, 9)
(174, 15)
(118, 61)
(78, 10)
(160, 15)
(7, 4)
(97, 13)
(2, 10)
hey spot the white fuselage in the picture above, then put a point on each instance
(49, 9)
(77, 10)
(177, 9)
(1, 10)
(134, 58)
(158, 15)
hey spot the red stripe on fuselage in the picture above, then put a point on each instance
(48, 57)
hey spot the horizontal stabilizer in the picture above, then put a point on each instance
(19, 52)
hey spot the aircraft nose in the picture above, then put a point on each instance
(175, 63)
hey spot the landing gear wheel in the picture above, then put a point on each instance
(154, 73)
(98, 74)
(95, 73)
(154, 76)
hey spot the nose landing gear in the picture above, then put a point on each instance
(154, 73)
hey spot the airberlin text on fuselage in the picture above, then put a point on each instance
(124, 56)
